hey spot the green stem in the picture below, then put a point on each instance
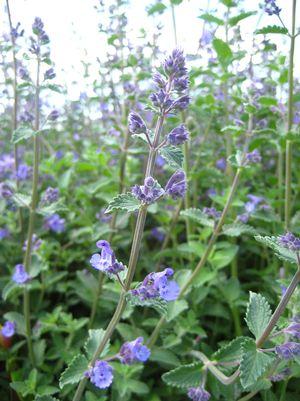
(174, 24)
(134, 255)
(186, 196)
(288, 149)
(34, 200)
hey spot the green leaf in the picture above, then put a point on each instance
(235, 20)
(231, 352)
(254, 363)
(237, 229)
(175, 308)
(198, 216)
(258, 314)
(123, 202)
(54, 207)
(22, 133)
(93, 341)
(267, 101)
(74, 372)
(10, 288)
(223, 51)
(211, 18)
(21, 200)
(158, 304)
(272, 29)
(281, 252)
(156, 8)
(45, 398)
(172, 155)
(164, 356)
(223, 257)
(184, 376)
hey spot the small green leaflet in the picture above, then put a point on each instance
(172, 155)
(223, 50)
(272, 29)
(22, 133)
(123, 202)
(236, 19)
(184, 376)
(175, 308)
(74, 372)
(254, 363)
(258, 314)
(93, 341)
(231, 352)
(198, 216)
(54, 207)
(237, 229)
(211, 18)
(158, 304)
(281, 252)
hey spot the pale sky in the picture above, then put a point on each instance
(72, 26)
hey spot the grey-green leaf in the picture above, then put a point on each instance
(198, 216)
(22, 133)
(272, 29)
(93, 341)
(158, 304)
(172, 155)
(281, 252)
(74, 372)
(258, 314)
(123, 202)
(184, 376)
(223, 51)
(237, 229)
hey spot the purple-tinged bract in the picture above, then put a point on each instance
(20, 276)
(148, 193)
(134, 351)
(198, 394)
(176, 186)
(289, 241)
(136, 124)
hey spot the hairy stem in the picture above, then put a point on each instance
(288, 148)
(134, 255)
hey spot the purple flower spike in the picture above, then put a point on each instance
(20, 276)
(149, 192)
(290, 242)
(288, 350)
(8, 329)
(106, 261)
(271, 8)
(134, 351)
(293, 330)
(176, 186)
(178, 135)
(212, 212)
(49, 74)
(158, 285)
(5, 190)
(221, 164)
(198, 394)
(53, 115)
(55, 223)
(136, 124)
(101, 375)
(50, 195)
(253, 157)
(174, 65)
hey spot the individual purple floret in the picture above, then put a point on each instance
(53, 115)
(5, 190)
(134, 351)
(288, 350)
(15, 31)
(212, 212)
(136, 124)
(35, 243)
(281, 375)
(8, 329)
(23, 172)
(178, 135)
(23, 73)
(253, 157)
(271, 8)
(157, 285)
(55, 223)
(181, 103)
(256, 200)
(49, 74)
(158, 234)
(221, 164)
(101, 375)
(106, 260)
(290, 242)
(176, 186)
(198, 394)
(149, 192)
(162, 100)
(293, 330)
(4, 233)
(243, 218)
(50, 195)
(20, 275)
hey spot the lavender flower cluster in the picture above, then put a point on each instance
(290, 242)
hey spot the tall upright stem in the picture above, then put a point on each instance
(134, 255)
(15, 105)
(34, 201)
(288, 149)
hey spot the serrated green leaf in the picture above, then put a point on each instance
(175, 308)
(272, 29)
(281, 252)
(22, 133)
(231, 352)
(236, 19)
(123, 202)
(158, 304)
(254, 363)
(54, 207)
(198, 216)
(223, 51)
(10, 288)
(172, 155)
(237, 229)
(258, 314)
(74, 372)
(21, 200)
(164, 356)
(211, 18)
(93, 341)
(184, 376)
